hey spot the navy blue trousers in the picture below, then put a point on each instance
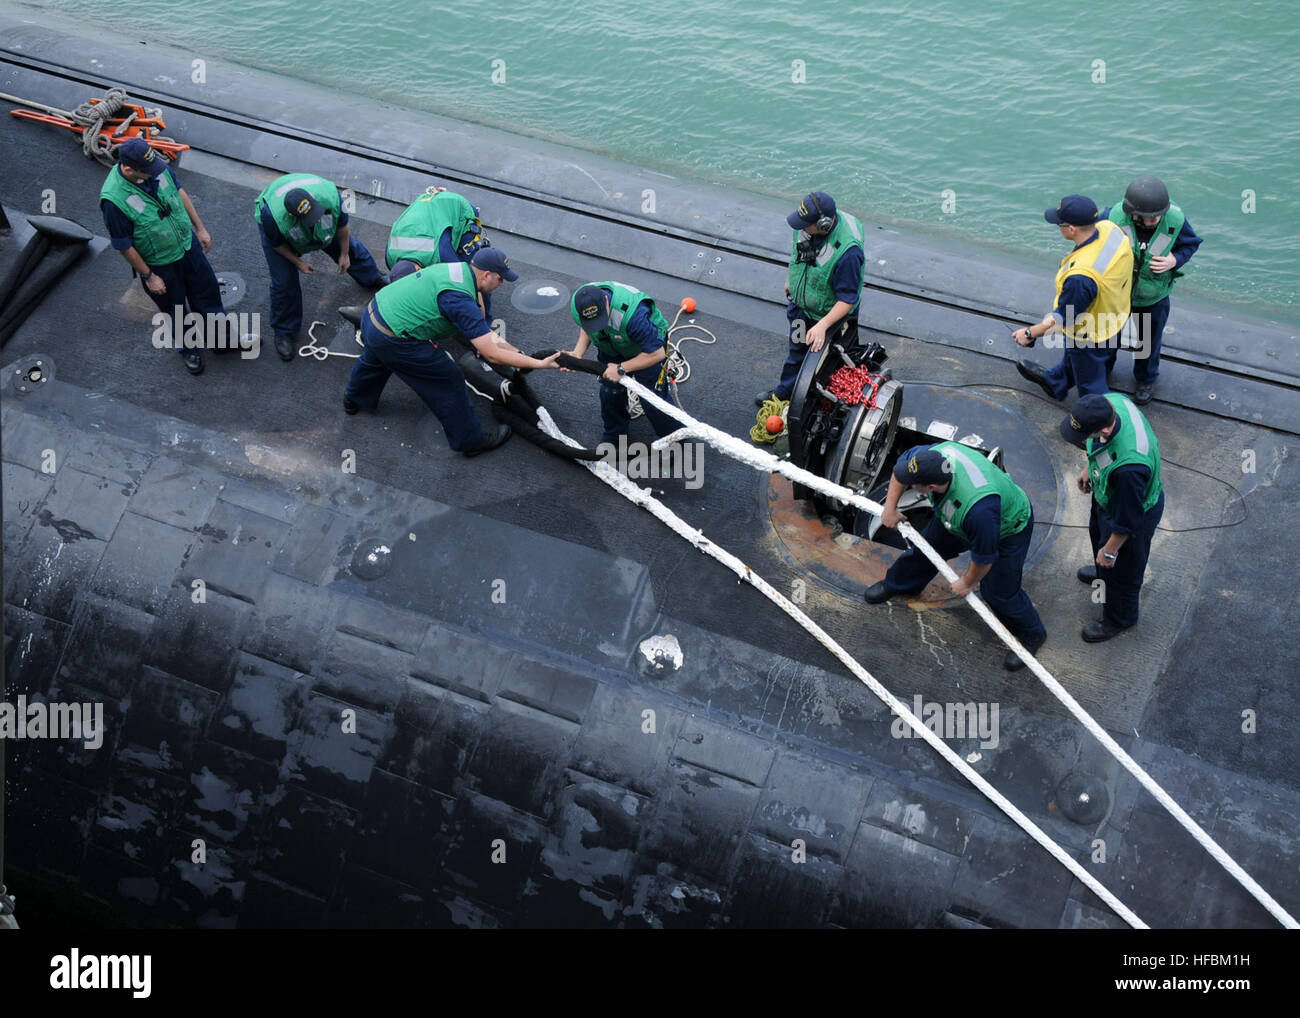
(800, 322)
(1151, 329)
(1124, 579)
(427, 369)
(1085, 367)
(614, 414)
(286, 291)
(1000, 588)
(191, 284)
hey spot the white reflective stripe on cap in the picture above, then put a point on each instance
(284, 189)
(1140, 441)
(973, 473)
(413, 243)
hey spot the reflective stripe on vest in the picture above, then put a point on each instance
(303, 182)
(973, 473)
(414, 243)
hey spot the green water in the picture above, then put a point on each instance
(1006, 106)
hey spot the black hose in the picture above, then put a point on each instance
(37, 286)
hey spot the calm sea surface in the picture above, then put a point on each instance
(1006, 104)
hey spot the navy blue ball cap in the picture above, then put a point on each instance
(490, 259)
(303, 207)
(922, 465)
(1073, 210)
(811, 209)
(140, 155)
(1092, 413)
(591, 303)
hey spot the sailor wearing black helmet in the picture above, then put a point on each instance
(823, 285)
(976, 507)
(1128, 499)
(1163, 241)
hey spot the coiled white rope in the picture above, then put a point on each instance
(643, 497)
(767, 463)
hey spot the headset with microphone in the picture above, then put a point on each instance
(824, 222)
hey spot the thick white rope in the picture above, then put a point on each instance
(643, 497)
(767, 463)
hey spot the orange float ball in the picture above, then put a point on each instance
(688, 305)
(775, 425)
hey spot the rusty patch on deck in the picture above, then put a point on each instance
(839, 560)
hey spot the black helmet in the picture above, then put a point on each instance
(1146, 196)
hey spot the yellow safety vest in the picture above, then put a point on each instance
(1108, 261)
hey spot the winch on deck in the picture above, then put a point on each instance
(846, 424)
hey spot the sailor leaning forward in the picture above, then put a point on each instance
(976, 507)
(297, 214)
(404, 328)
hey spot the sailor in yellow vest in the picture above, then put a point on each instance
(1128, 499)
(152, 222)
(297, 214)
(1093, 289)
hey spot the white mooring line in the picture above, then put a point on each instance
(765, 462)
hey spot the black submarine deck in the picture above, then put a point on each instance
(524, 719)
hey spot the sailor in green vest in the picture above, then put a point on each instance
(297, 214)
(823, 286)
(630, 335)
(1163, 241)
(1093, 285)
(1128, 499)
(153, 223)
(977, 507)
(439, 226)
(406, 328)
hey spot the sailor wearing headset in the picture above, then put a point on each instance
(823, 286)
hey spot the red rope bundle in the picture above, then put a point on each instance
(850, 385)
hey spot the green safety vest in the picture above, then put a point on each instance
(1148, 287)
(1134, 443)
(295, 234)
(158, 241)
(410, 305)
(975, 477)
(416, 233)
(810, 285)
(613, 340)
